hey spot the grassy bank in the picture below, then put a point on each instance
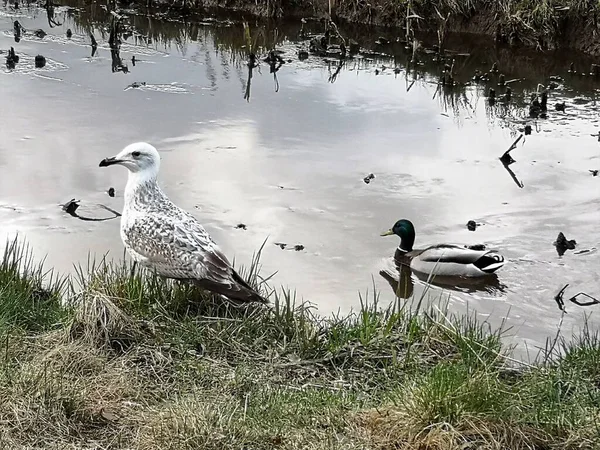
(545, 24)
(114, 359)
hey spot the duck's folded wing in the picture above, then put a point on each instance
(446, 253)
(453, 260)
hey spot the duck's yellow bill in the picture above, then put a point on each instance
(387, 233)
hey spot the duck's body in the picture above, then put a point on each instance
(444, 260)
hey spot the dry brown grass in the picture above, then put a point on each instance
(393, 428)
(139, 363)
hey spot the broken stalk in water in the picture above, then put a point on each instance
(558, 298)
(71, 208)
(507, 160)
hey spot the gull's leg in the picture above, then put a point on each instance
(133, 267)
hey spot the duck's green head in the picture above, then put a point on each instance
(406, 231)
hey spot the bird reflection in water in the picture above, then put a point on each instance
(400, 279)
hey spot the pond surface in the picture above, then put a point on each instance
(288, 160)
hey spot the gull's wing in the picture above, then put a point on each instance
(178, 246)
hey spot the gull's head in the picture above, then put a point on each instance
(139, 158)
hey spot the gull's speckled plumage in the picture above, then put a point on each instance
(165, 238)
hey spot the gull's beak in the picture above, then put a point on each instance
(387, 233)
(109, 161)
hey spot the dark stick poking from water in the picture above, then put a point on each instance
(252, 64)
(114, 41)
(252, 60)
(558, 298)
(507, 160)
(17, 30)
(333, 76)
(94, 44)
(71, 208)
(49, 6)
(275, 62)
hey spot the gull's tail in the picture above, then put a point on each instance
(237, 289)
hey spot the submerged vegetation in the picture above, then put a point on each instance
(113, 358)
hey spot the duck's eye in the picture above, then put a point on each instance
(136, 154)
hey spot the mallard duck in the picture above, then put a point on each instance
(444, 260)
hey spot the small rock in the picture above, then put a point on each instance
(368, 178)
(111, 192)
(40, 33)
(471, 225)
(298, 247)
(562, 244)
(544, 101)
(594, 173)
(302, 55)
(376, 71)
(71, 206)
(40, 61)
(135, 85)
(560, 106)
(241, 226)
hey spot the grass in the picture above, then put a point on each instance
(116, 359)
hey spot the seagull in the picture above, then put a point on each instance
(166, 239)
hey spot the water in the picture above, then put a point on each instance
(289, 161)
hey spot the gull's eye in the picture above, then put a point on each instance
(136, 154)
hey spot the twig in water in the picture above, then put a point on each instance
(116, 213)
(506, 156)
(558, 298)
(71, 208)
(334, 75)
(507, 160)
(561, 304)
(594, 301)
(513, 175)
(437, 89)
